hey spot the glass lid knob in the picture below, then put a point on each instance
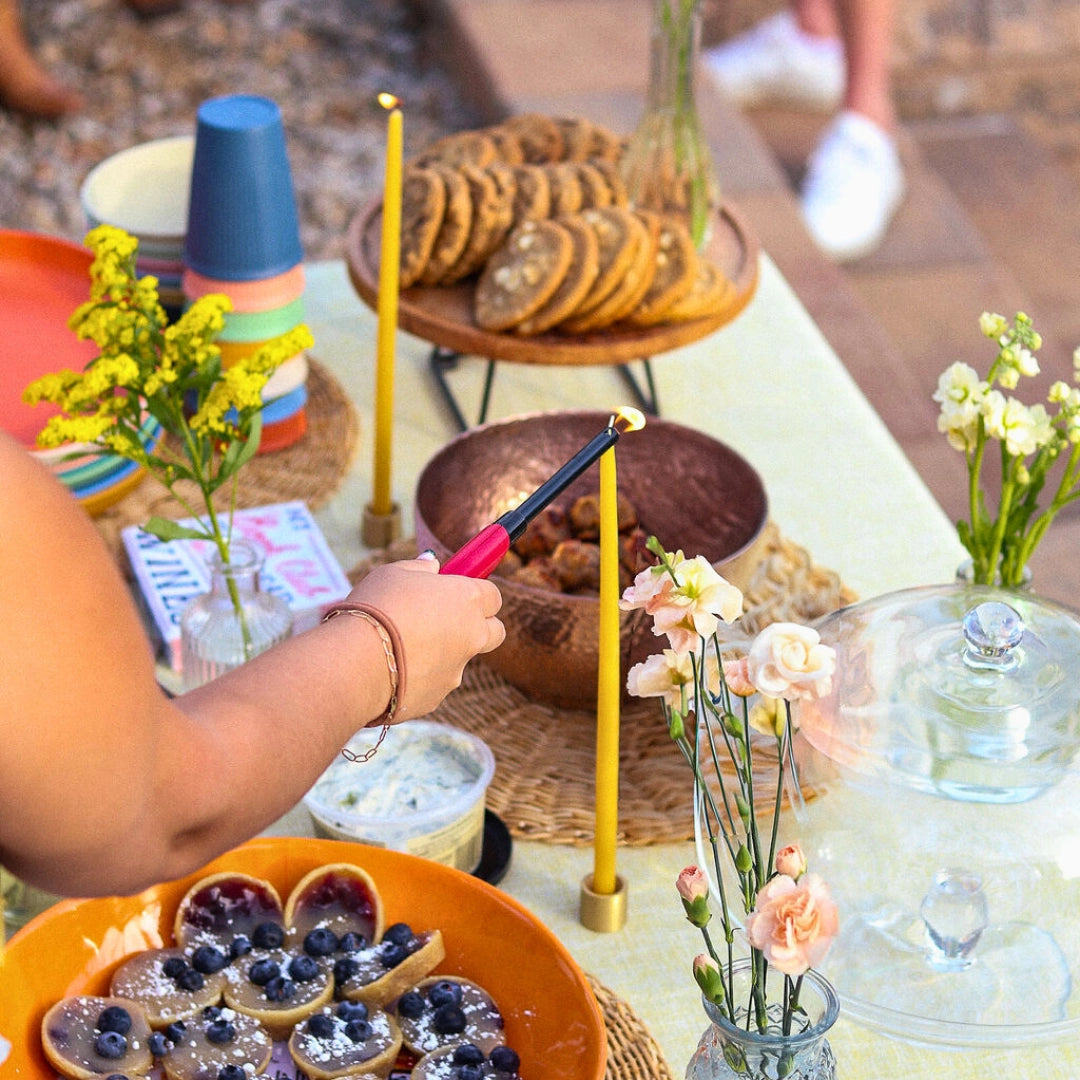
(992, 633)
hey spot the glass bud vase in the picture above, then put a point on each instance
(667, 166)
(740, 1051)
(234, 621)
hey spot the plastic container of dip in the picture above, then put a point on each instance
(423, 793)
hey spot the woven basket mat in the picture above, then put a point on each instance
(311, 469)
(633, 1054)
(543, 788)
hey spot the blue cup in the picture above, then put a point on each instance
(242, 221)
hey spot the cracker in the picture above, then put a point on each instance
(532, 199)
(539, 135)
(676, 268)
(423, 203)
(584, 266)
(522, 275)
(492, 192)
(455, 228)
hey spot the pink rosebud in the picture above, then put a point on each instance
(791, 861)
(793, 924)
(737, 677)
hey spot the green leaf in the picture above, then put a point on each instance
(166, 529)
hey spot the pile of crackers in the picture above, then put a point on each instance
(534, 209)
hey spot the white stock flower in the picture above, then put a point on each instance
(993, 326)
(1025, 429)
(788, 660)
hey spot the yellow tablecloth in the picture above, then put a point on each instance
(770, 386)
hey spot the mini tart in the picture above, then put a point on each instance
(69, 1032)
(375, 980)
(216, 1038)
(287, 997)
(424, 1022)
(341, 897)
(222, 906)
(440, 1065)
(164, 997)
(345, 1047)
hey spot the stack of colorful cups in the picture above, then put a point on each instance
(145, 191)
(243, 240)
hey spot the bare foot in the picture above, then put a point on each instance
(25, 86)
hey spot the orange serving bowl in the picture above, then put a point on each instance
(552, 1018)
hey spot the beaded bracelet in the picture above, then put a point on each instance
(390, 640)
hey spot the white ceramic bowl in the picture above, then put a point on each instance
(423, 793)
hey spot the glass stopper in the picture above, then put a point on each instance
(992, 632)
(955, 913)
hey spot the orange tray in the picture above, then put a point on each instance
(443, 315)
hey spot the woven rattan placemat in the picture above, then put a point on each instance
(311, 469)
(633, 1053)
(543, 787)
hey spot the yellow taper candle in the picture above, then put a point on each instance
(608, 685)
(389, 274)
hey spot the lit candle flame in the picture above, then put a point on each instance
(388, 101)
(627, 419)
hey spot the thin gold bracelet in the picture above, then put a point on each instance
(390, 651)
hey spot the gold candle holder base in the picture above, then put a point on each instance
(380, 530)
(603, 912)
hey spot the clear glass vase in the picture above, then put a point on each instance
(729, 1051)
(667, 166)
(234, 621)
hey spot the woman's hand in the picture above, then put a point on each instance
(443, 620)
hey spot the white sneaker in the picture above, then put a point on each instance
(775, 62)
(854, 184)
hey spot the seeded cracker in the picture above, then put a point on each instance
(522, 274)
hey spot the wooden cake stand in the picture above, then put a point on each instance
(443, 315)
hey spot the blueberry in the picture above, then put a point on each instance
(111, 1045)
(503, 1059)
(303, 968)
(268, 935)
(175, 1031)
(449, 1020)
(279, 989)
(262, 971)
(211, 1012)
(391, 954)
(470, 1072)
(208, 959)
(231, 1072)
(190, 979)
(240, 946)
(320, 942)
(399, 933)
(468, 1054)
(174, 966)
(220, 1031)
(114, 1018)
(158, 1045)
(351, 942)
(352, 1010)
(345, 967)
(321, 1026)
(410, 1005)
(445, 992)
(358, 1031)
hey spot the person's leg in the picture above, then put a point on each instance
(854, 181)
(25, 86)
(794, 57)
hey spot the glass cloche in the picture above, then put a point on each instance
(944, 810)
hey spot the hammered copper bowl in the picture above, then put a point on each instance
(690, 490)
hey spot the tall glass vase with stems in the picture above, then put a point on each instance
(667, 166)
(233, 622)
